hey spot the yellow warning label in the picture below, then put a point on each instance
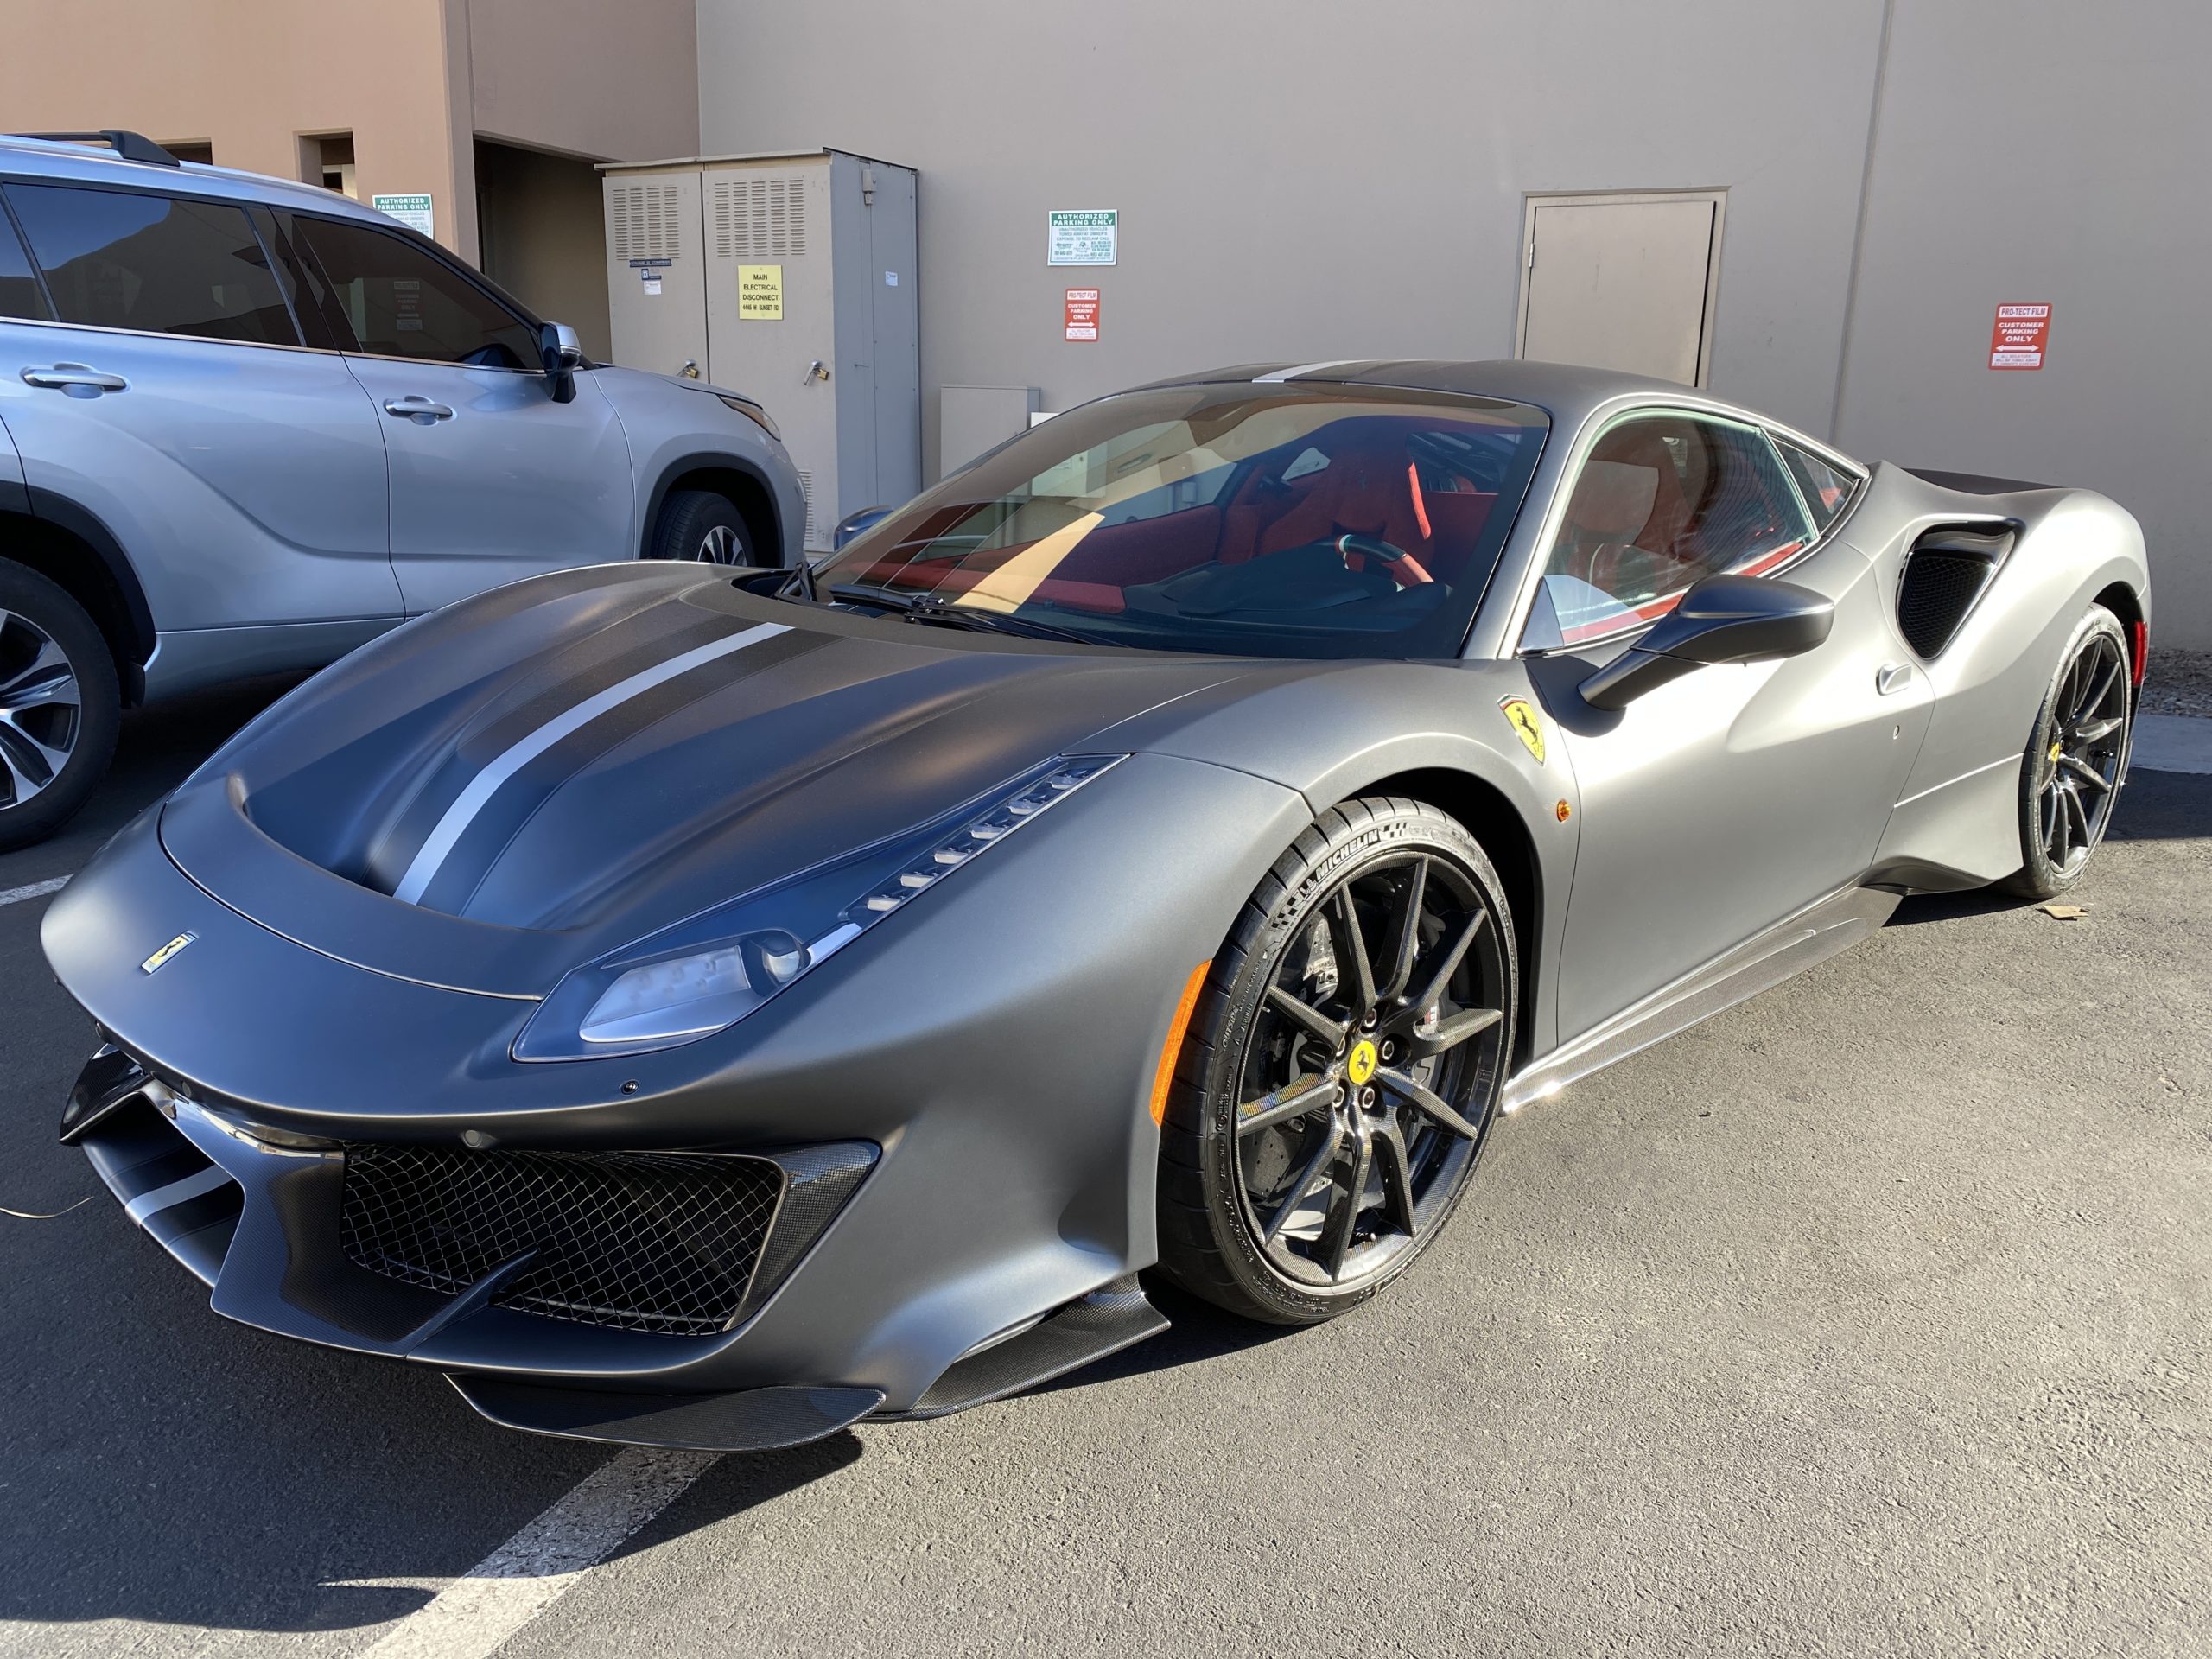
(760, 293)
(1525, 722)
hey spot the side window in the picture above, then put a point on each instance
(1825, 489)
(20, 294)
(118, 259)
(1662, 502)
(402, 302)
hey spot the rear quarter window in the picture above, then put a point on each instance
(158, 265)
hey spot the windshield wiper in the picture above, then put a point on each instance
(801, 577)
(959, 616)
(859, 592)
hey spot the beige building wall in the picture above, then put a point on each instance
(610, 80)
(250, 77)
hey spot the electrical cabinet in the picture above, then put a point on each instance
(789, 278)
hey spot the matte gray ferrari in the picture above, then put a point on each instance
(707, 1008)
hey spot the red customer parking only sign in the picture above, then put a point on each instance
(1083, 313)
(2018, 339)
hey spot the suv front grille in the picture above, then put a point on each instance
(659, 1242)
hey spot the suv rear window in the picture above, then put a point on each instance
(121, 259)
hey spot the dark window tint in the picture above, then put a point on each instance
(399, 302)
(19, 292)
(120, 260)
(1662, 503)
(1826, 489)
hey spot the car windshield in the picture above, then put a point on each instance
(1259, 520)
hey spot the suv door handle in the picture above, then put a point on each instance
(63, 376)
(418, 408)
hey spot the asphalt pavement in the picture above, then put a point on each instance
(1874, 1316)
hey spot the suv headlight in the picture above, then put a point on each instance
(704, 974)
(754, 413)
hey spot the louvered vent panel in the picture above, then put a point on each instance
(647, 224)
(806, 488)
(761, 218)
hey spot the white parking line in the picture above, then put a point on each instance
(37, 890)
(475, 1613)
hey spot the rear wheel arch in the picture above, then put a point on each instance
(1492, 819)
(2125, 603)
(71, 549)
(734, 479)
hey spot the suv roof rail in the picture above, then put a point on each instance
(131, 146)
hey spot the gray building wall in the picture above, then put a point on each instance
(1304, 180)
(2035, 150)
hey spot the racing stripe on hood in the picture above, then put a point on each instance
(585, 729)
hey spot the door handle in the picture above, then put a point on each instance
(1893, 678)
(63, 376)
(417, 407)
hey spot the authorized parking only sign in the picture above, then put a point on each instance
(1087, 236)
(2021, 334)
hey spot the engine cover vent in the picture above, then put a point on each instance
(1946, 571)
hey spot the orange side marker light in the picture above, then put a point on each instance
(1171, 1050)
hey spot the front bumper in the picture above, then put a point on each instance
(996, 1050)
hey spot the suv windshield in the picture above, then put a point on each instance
(1260, 520)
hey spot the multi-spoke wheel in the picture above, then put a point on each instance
(700, 525)
(2070, 777)
(1344, 1068)
(58, 706)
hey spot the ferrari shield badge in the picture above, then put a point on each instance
(161, 957)
(1526, 722)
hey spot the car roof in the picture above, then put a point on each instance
(1566, 392)
(87, 163)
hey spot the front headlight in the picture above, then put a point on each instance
(754, 413)
(704, 974)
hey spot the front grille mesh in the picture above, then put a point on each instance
(659, 1241)
(1938, 590)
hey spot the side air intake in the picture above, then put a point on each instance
(1946, 572)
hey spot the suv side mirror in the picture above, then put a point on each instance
(854, 522)
(1722, 620)
(559, 353)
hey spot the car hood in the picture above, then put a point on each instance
(497, 793)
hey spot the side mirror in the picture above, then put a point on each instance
(1722, 620)
(559, 353)
(854, 523)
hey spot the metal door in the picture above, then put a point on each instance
(1622, 282)
(656, 275)
(770, 221)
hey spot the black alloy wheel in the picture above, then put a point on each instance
(2070, 777)
(1346, 1068)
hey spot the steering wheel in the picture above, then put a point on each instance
(1398, 564)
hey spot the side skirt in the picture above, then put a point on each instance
(1826, 928)
(1110, 1319)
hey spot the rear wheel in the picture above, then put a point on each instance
(59, 707)
(2069, 777)
(704, 527)
(1345, 1067)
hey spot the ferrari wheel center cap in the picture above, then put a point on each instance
(1359, 1064)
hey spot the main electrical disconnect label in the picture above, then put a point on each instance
(2019, 339)
(760, 293)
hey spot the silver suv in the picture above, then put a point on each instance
(247, 424)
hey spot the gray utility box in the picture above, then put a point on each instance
(789, 278)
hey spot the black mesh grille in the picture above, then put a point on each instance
(662, 1241)
(1934, 597)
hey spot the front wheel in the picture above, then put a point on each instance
(2070, 775)
(1343, 1069)
(59, 707)
(703, 526)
